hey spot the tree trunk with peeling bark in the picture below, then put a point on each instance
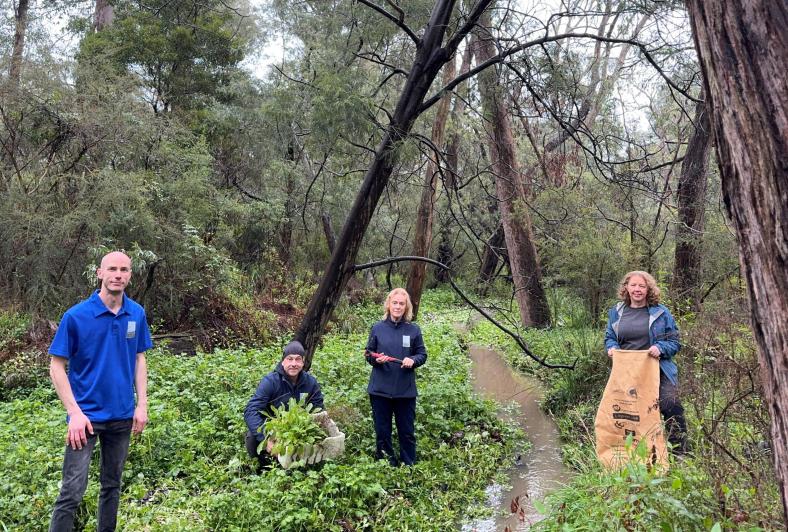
(509, 188)
(692, 209)
(743, 51)
(422, 237)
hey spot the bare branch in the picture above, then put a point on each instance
(399, 22)
(517, 338)
(538, 42)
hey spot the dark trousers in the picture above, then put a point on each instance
(404, 412)
(114, 437)
(673, 414)
(263, 458)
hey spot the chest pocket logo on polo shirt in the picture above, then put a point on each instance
(406, 341)
(131, 330)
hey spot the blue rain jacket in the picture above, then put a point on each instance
(662, 332)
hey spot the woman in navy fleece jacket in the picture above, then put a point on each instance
(394, 350)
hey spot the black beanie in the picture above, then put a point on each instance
(293, 348)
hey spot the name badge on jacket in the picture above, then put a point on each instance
(406, 341)
(131, 331)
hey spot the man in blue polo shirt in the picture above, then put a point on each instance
(102, 340)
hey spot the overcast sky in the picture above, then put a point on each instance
(62, 44)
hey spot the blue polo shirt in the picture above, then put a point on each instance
(101, 349)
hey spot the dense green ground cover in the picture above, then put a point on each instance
(189, 470)
(696, 493)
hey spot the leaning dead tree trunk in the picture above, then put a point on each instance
(516, 220)
(20, 16)
(425, 214)
(743, 51)
(692, 209)
(431, 55)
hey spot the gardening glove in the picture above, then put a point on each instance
(316, 456)
(306, 452)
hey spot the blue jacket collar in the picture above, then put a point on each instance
(395, 323)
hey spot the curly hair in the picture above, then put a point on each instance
(652, 295)
(408, 315)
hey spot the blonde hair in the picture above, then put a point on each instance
(408, 315)
(652, 290)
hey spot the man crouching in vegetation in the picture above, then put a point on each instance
(102, 340)
(275, 389)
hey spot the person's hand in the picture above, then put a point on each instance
(610, 352)
(140, 419)
(269, 446)
(407, 362)
(653, 351)
(78, 424)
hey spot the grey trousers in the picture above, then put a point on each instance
(114, 437)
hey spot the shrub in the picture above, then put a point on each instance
(635, 498)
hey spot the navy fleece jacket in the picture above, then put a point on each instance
(274, 390)
(399, 340)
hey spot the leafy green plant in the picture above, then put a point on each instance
(189, 469)
(290, 427)
(636, 497)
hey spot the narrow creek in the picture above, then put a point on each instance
(538, 470)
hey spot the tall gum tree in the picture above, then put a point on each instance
(511, 195)
(605, 70)
(20, 29)
(743, 51)
(425, 214)
(691, 211)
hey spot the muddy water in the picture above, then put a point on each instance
(533, 473)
